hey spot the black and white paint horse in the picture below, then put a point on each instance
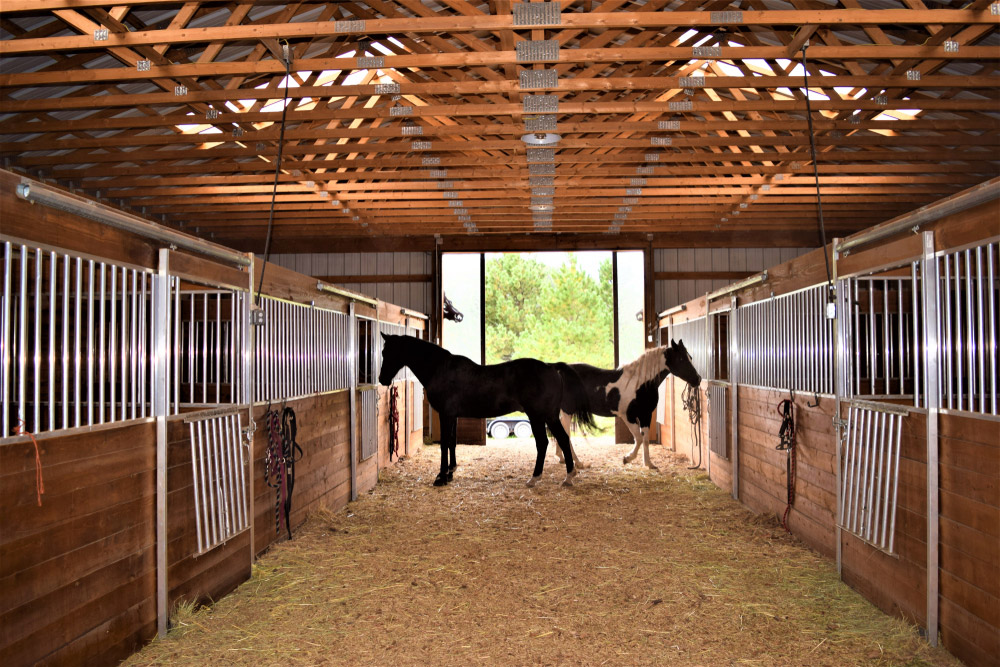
(630, 392)
(457, 387)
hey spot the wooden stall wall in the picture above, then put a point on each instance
(78, 571)
(193, 578)
(322, 474)
(898, 584)
(763, 468)
(970, 537)
(969, 469)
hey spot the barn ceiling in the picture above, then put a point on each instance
(618, 119)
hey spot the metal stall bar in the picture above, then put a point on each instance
(369, 424)
(101, 345)
(159, 398)
(353, 386)
(735, 378)
(90, 342)
(53, 288)
(930, 298)
(947, 338)
(7, 273)
(992, 324)
(980, 337)
(37, 347)
(970, 332)
(917, 391)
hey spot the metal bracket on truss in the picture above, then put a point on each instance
(528, 14)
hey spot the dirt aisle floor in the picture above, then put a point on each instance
(627, 567)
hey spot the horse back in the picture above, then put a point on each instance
(595, 381)
(468, 389)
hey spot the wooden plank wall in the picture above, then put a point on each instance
(970, 538)
(898, 585)
(763, 469)
(78, 573)
(686, 261)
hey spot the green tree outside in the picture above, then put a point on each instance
(560, 314)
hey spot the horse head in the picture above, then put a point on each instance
(392, 359)
(679, 362)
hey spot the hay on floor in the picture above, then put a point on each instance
(627, 567)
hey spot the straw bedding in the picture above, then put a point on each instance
(627, 567)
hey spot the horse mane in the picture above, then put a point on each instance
(647, 366)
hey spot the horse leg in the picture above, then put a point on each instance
(637, 436)
(541, 444)
(645, 449)
(453, 443)
(447, 444)
(567, 448)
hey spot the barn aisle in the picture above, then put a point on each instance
(627, 567)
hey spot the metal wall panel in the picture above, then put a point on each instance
(717, 397)
(369, 421)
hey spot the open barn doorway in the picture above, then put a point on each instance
(555, 306)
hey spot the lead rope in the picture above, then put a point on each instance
(393, 422)
(691, 398)
(39, 483)
(274, 463)
(786, 434)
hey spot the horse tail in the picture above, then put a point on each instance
(575, 401)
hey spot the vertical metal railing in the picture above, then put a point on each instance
(301, 350)
(75, 340)
(218, 468)
(968, 301)
(880, 316)
(369, 421)
(209, 341)
(787, 342)
(870, 472)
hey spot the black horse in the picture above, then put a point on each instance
(629, 392)
(457, 387)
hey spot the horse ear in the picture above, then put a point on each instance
(673, 343)
(384, 337)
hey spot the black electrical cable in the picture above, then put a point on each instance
(812, 147)
(286, 55)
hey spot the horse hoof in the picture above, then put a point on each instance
(568, 481)
(626, 460)
(534, 480)
(652, 467)
(442, 480)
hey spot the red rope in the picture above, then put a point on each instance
(393, 422)
(39, 482)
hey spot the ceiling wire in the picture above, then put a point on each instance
(286, 56)
(812, 148)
